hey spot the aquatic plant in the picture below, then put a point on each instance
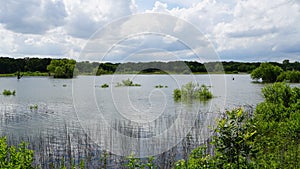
(192, 91)
(161, 86)
(105, 85)
(8, 92)
(33, 107)
(127, 82)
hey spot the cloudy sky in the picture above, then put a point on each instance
(240, 30)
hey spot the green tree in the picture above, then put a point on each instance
(267, 72)
(62, 68)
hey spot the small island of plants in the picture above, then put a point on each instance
(161, 86)
(192, 91)
(127, 82)
(8, 92)
(104, 85)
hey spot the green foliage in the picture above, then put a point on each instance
(105, 85)
(233, 145)
(161, 86)
(15, 157)
(267, 72)
(62, 68)
(136, 163)
(289, 76)
(127, 82)
(278, 123)
(192, 91)
(8, 92)
(33, 107)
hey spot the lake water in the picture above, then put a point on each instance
(144, 120)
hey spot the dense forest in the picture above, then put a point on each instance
(12, 65)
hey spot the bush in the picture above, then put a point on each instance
(267, 72)
(192, 91)
(289, 76)
(15, 157)
(8, 92)
(232, 145)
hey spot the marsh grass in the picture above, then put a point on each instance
(192, 91)
(127, 82)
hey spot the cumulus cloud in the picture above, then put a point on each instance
(239, 30)
(32, 17)
(86, 17)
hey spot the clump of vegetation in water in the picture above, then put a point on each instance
(33, 107)
(105, 85)
(61, 68)
(161, 86)
(64, 85)
(192, 91)
(8, 92)
(127, 82)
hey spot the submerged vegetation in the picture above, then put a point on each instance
(127, 82)
(269, 73)
(33, 107)
(62, 68)
(192, 91)
(105, 85)
(161, 86)
(8, 92)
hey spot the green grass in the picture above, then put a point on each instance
(37, 73)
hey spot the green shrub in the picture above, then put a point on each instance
(8, 92)
(15, 157)
(289, 76)
(192, 91)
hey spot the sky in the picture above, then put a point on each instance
(147, 30)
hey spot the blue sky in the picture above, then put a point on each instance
(240, 30)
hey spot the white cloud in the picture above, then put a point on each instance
(33, 16)
(240, 30)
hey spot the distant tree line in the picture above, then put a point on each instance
(13, 65)
(189, 66)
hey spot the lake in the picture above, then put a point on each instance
(122, 120)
